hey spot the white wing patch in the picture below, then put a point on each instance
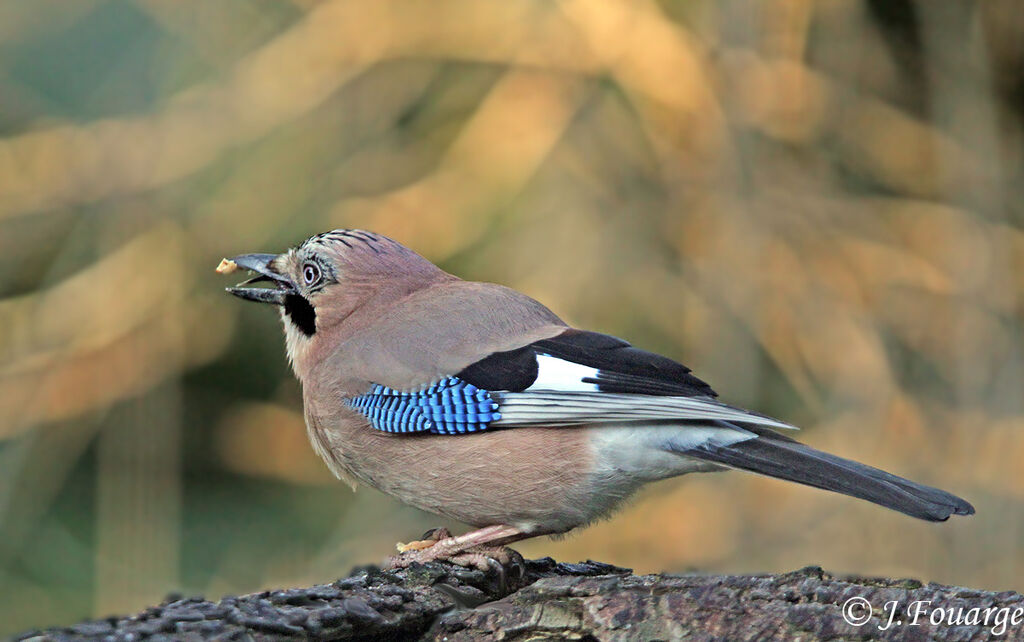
(556, 408)
(558, 374)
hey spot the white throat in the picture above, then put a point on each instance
(296, 343)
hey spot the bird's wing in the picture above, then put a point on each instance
(580, 361)
(572, 378)
(581, 377)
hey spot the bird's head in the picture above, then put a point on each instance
(330, 279)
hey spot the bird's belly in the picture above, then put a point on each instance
(537, 479)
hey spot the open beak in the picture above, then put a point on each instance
(260, 264)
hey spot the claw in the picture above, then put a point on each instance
(437, 534)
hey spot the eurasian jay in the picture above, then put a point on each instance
(473, 401)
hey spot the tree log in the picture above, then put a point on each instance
(542, 599)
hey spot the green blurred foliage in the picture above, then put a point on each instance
(816, 206)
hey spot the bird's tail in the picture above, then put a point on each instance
(779, 456)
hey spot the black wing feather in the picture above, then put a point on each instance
(513, 370)
(621, 368)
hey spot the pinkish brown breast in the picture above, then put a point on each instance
(532, 478)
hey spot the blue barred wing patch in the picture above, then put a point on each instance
(449, 407)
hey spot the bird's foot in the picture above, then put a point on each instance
(487, 558)
(484, 558)
(438, 545)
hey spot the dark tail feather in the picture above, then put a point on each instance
(778, 456)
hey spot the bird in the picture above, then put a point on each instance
(475, 402)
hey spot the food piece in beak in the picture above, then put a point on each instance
(227, 266)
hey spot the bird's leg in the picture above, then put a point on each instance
(476, 548)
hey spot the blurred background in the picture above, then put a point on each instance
(817, 206)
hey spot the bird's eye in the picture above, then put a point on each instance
(310, 273)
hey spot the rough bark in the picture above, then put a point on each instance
(541, 599)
